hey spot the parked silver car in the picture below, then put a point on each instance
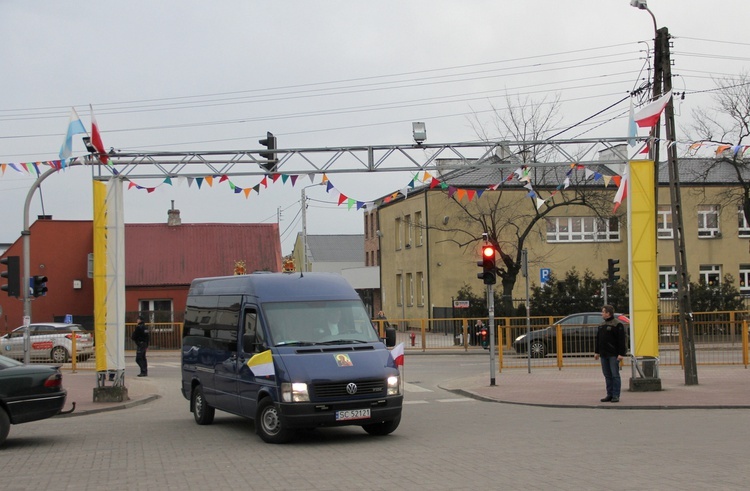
(49, 341)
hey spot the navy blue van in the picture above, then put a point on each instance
(289, 350)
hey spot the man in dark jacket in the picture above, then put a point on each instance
(141, 338)
(611, 347)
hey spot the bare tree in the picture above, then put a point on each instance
(510, 222)
(727, 122)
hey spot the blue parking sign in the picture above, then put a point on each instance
(544, 275)
(68, 319)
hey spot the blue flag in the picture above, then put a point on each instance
(74, 127)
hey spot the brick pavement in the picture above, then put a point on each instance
(718, 387)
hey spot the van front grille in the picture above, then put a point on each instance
(366, 388)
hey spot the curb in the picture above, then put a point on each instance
(118, 406)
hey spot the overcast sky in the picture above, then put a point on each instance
(188, 75)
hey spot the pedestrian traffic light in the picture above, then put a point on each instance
(269, 142)
(488, 265)
(612, 270)
(13, 274)
(39, 285)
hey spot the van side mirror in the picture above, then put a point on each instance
(248, 343)
(390, 337)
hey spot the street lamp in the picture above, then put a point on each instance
(419, 131)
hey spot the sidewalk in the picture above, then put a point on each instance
(718, 387)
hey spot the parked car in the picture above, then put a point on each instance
(28, 393)
(578, 331)
(49, 341)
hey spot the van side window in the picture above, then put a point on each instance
(252, 334)
(224, 330)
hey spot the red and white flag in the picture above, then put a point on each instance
(96, 139)
(398, 354)
(649, 114)
(622, 191)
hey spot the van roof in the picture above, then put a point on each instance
(278, 287)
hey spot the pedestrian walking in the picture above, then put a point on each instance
(610, 347)
(141, 337)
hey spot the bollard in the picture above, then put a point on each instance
(413, 338)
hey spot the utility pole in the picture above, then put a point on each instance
(685, 307)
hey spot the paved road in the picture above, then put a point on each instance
(445, 441)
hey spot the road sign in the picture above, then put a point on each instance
(460, 304)
(544, 275)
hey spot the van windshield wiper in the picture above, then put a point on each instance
(344, 341)
(296, 343)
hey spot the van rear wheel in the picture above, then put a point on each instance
(268, 423)
(202, 411)
(382, 428)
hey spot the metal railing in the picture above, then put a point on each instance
(721, 338)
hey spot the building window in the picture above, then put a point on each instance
(667, 281)
(664, 228)
(745, 279)
(743, 228)
(410, 282)
(156, 310)
(582, 229)
(400, 290)
(708, 221)
(420, 288)
(407, 231)
(398, 235)
(710, 274)
(418, 225)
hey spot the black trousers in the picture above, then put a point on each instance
(140, 357)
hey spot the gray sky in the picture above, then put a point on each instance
(188, 75)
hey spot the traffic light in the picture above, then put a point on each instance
(269, 142)
(488, 274)
(13, 274)
(39, 285)
(612, 270)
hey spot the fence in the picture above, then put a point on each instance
(721, 338)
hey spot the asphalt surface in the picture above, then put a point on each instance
(724, 386)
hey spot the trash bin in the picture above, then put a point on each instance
(649, 366)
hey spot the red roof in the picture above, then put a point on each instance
(158, 254)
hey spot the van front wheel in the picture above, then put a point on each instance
(383, 428)
(268, 423)
(202, 412)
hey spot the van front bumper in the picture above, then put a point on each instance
(312, 414)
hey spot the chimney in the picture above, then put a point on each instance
(173, 216)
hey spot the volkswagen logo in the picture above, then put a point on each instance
(351, 388)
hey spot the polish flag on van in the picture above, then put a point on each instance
(398, 354)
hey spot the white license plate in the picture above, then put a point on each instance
(349, 414)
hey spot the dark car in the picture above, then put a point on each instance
(578, 335)
(28, 393)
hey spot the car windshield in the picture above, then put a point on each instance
(310, 323)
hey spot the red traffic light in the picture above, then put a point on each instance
(488, 251)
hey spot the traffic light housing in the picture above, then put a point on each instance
(39, 285)
(269, 142)
(13, 274)
(612, 270)
(488, 274)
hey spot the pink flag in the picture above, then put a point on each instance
(96, 139)
(649, 114)
(398, 354)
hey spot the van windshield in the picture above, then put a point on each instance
(309, 323)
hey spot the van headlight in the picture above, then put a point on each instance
(393, 385)
(295, 392)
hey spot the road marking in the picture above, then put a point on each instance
(415, 388)
(465, 399)
(415, 402)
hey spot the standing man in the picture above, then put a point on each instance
(611, 348)
(141, 338)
